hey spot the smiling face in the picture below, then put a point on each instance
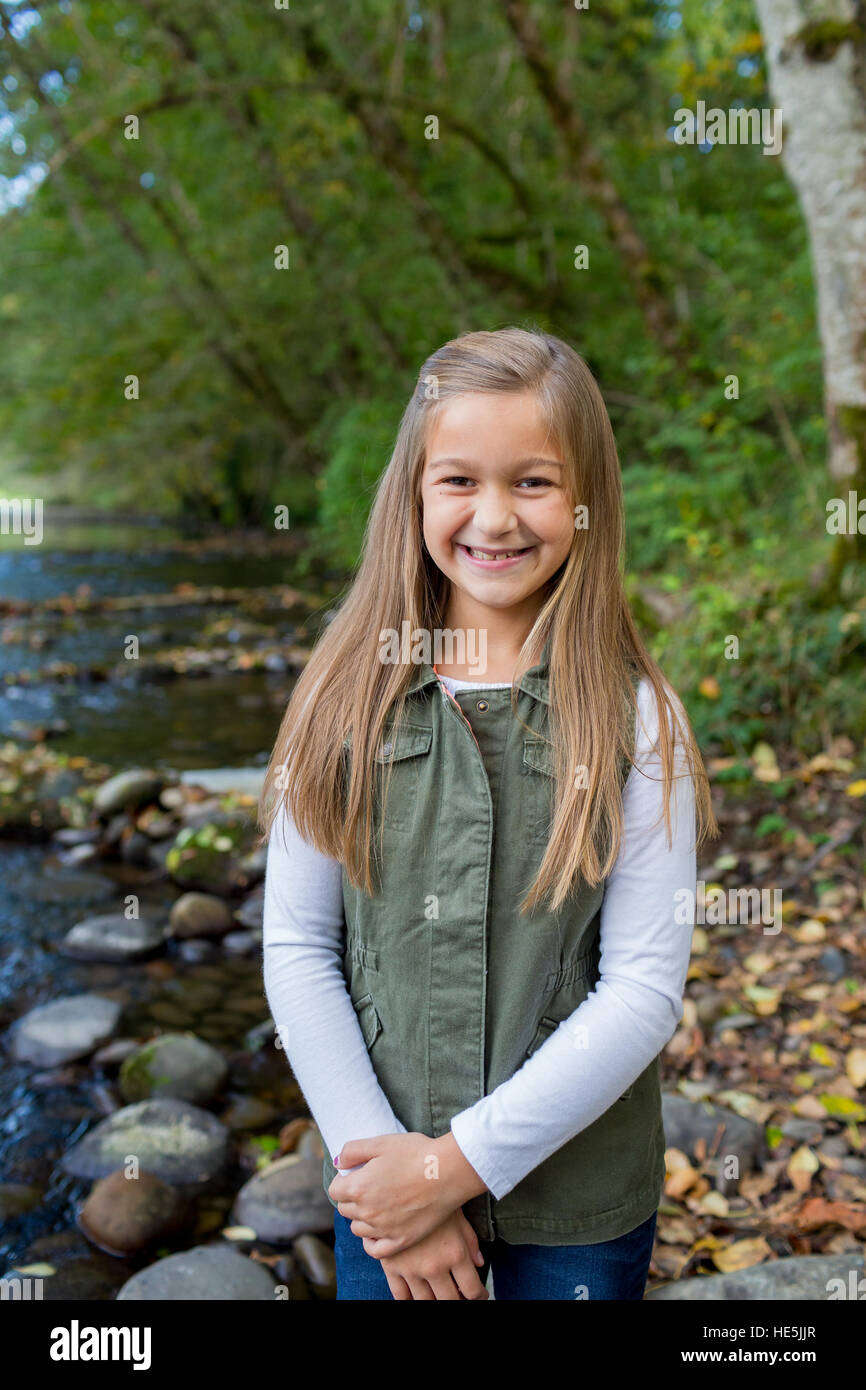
(494, 482)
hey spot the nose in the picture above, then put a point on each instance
(494, 513)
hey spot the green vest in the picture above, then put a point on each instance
(453, 989)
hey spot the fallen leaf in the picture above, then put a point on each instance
(743, 1254)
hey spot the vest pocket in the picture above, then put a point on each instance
(538, 766)
(403, 749)
(371, 1025)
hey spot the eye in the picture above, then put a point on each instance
(449, 481)
(545, 482)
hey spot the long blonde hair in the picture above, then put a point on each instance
(595, 655)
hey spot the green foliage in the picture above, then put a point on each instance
(154, 259)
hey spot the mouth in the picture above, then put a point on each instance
(482, 558)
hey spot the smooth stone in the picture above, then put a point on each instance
(79, 854)
(135, 849)
(196, 950)
(200, 914)
(179, 1065)
(238, 943)
(72, 835)
(124, 1215)
(795, 1278)
(114, 1053)
(127, 789)
(204, 1274)
(113, 937)
(736, 1021)
(252, 910)
(249, 1113)
(310, 1144)
(63, 885)
(255, 863)
(64, 1030)
(284, 1200)
(226, 779)
(318, 1264)
(18, 1197)
(804, 1131)
(833, 963)
(165, 1012)
(686, 1121)
(178, 1142)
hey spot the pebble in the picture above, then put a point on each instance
(205, 1273)
(113, 937)
(200, 914)
(64, 1030)
(180, 1143)
(284, 1200)
(179, 1065)
(685, 1121)
(125, 1215)
(132, 788)
(793, 1279)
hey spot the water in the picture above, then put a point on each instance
(225, 719)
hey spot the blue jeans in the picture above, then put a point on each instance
(612, 1269)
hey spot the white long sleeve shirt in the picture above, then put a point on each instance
(620, 1027)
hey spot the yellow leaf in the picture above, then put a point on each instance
(742, 1254)
(766, 765)
(856, 788)
(802, 1165)
(759, 962)
(843, 1107)
(822, 1055)
(809, 931)
(709, 688)
(238, 1233)
(855, 1066)
(715, 1203)
(41, 1270)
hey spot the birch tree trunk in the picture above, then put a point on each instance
(816, 54)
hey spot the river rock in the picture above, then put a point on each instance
(205, 1273)
(797, 1278)
(180, 1143)
(251, 912)
(71, 835)
(124, 1215)
(239, 943)
(685, 1121)
(197, 950)
(179, 1065)
(129, 789)
(64, 1030)
(18, 1197)
(249, 1113)
(113, 937)
(200, 914)
(115, 1052)
(284, 1200)
(317, 1261)
(64, 885)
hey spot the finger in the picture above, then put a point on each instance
(444, 1289)
(399, 1288)
(421, 1290)
(382, 1249)
(468, 1281)
(366, 1231)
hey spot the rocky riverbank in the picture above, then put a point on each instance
(190, 1145)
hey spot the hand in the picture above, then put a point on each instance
(442, 1265)
(406, 1186)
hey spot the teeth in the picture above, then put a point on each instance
(493, 554)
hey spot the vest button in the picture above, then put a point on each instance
(482, 705)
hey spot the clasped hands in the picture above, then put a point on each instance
(405, 1202)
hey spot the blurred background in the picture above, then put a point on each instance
(230, 237)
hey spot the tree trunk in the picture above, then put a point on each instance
(816, 52)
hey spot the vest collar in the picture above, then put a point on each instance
(535, 681)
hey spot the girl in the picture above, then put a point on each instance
(473, 945)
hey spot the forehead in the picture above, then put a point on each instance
(501, 426)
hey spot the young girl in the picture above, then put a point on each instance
(485, 802)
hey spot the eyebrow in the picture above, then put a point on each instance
(465, 463)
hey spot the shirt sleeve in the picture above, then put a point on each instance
(302, 944)
(634, 1010)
